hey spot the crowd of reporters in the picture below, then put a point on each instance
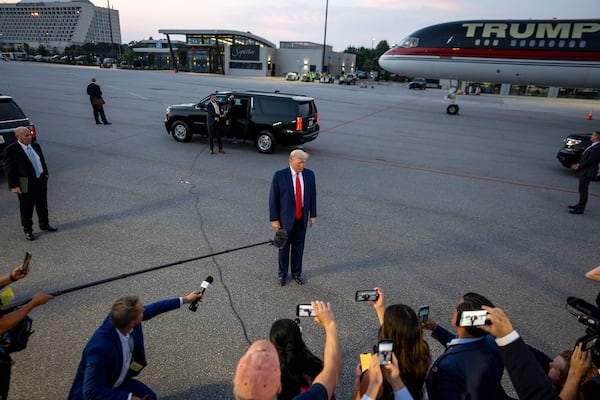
(471, 367)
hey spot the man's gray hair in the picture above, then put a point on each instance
(299, 153)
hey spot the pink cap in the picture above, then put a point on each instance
(258, 376)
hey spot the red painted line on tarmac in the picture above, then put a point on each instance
(448, 173)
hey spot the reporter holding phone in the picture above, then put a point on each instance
(10, 320)
(399, 323)
(391, 373)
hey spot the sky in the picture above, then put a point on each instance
(358, 23)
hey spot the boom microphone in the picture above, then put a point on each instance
(204, 285)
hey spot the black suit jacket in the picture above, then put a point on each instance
(212, 119)
(588, 165)
(18, 166)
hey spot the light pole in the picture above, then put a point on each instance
(372, 44)
(324, 38)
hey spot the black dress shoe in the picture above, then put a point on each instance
(299, 280)
(29, 236)
(574, 206)
(48, 228)
(107, 123)
(576, 211)
(282, 281)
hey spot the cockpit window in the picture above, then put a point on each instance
(409, 41)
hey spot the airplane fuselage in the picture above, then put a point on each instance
(564, 53)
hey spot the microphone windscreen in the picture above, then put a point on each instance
(280, 238)
(209, 279)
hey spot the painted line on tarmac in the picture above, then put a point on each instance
(448, 173)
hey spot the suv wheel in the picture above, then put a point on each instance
(265, 142)
(181, 132)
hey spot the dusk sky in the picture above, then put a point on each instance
(349, 23)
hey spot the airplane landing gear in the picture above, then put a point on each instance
(452, 109)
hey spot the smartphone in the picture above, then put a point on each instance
(365, 361)
(366, 295)
(423, 314)
(472, 318)
(589, 341)
(304, 310)
(25, 266)
(384, 350)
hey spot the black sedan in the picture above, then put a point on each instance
(574, 145)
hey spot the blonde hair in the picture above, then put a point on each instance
(299, 153)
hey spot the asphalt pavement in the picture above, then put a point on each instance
(426, 205)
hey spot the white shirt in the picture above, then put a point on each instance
(37, 167)
(127, 349)
(301, 183)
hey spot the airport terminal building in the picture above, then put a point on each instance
(57, 24)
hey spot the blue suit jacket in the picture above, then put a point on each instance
(470, 371)
(282, 200)
(102, 358)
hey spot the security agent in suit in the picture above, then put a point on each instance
(95, 93)
(284, 214)
(471, 367)
(27, 176)
(214, 123)
(115, 354)
(588, 169)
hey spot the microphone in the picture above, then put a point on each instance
(280, 238)
(204, 285)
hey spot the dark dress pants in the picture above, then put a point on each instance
(214, 130)
(584, 183)
(99, 110)
(295, 240)
(5, 367)
(35, 197)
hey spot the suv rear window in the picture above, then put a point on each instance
(9, 111)
(306, 108)
(276, 106)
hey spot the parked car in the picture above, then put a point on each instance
(573, 147)
(418, 83)
(265, 118)
(361, 74)
(11, 116)
(292, 76)
(348, 79)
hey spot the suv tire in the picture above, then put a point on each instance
(265, 142)
(181, 132)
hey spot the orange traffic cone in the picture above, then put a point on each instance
(589, 117)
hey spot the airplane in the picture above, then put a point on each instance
(551, 52)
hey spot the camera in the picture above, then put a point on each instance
(588, 315)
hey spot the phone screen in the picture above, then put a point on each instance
(423, 314)
(385, 351)
(589, 341)
(472, 318)
(25, 266)
(304, 310)
(366, 295)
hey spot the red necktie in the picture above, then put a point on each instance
(298, 197)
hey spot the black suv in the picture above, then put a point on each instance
(11, 116)
(266, 118)
(418, 83)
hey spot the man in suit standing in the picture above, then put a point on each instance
(27, 176)
(293, 207)
(95, 93)
(213, 123)
(115, 353)
(471, 367)
(588, 169)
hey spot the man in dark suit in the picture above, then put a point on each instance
(115, 353)
(527, 376)
(214, 123)
(95, 93)
(293, 210)
(588, 169)
(471, 367)
(27, 176)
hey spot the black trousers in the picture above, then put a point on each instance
(36, 197)
(215, 130)
(584, 183)
(295, 246)
(99, 110)
(5, 367)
